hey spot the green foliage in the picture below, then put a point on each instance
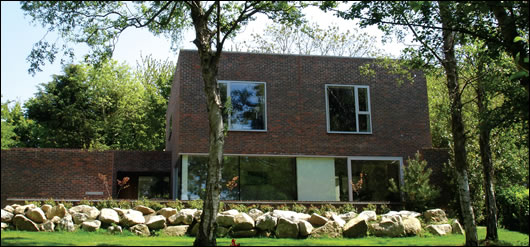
(370, 207)
(419, 194)
(124, 204)
(283, 207)
(86, 202)
(107, 203)
(346, 208)
(50, 201)
(313, 210)
(328, 207)
(242, 208)
(176, 205)
(148, 203)
(195, 204)
(36, 203)
(266, 208)
(7, 127)
(66, 204)
(383, 209)
(513, 208)
(299, 208)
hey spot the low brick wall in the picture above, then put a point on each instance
(70, 173)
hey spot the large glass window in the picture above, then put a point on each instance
(248, 105)
(198, 170)
(370, 179)
(348, 109)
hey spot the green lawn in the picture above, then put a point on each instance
(127, 239)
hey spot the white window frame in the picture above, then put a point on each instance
(228, 82)
(357, 112)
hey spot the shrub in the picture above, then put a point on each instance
(195, 204)
(383, 209)
(283, 207)
(313, 210)
(299, 208)
(513, 208)
(50, 202)
(266, 208)
(239, 207)
(419, 194)
(124, 204)
(148, 203)
(85, 202)
(176, 205)
(107, 203)
(346, 208)
(67, 204)
(36, 203)
(327, 207)
(370, 207)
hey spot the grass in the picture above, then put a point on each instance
(14, 238)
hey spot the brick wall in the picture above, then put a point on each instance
(296, 107)
(70, 173)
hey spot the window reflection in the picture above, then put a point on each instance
(248, 105)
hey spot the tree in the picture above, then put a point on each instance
(7, 128)
(99, 24)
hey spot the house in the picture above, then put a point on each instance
(302, 128)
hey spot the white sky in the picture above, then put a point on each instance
(18, 37)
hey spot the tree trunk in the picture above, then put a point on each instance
(206, 236)
(457, 125)
(485, 155)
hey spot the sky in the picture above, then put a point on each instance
(18, 35)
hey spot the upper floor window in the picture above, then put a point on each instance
(248, 105)
(348, 109)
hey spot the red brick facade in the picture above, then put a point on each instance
(70, 173)
(296, 107)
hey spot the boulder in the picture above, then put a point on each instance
(66, 224)
(348, 216)
(46, 207)
(255, 213)
(266, 222)
(119, 211)
(317, 220)
(132, 217)
(176, 231)
(59, 210)
(355, 228)
(156, 222)
(48, 226)
(109, 216)
(286, 228)
(222, 231)
(368, 215)
(457, 228)
(184, 217)
(91, 212)
(7, 216)
(243, 221)
(439, 230)
(197, 215)
(405, 213)
(225, 220)
(167, 212)
(55, 219)
(4, 225)
(436, 216)
(390, 227)
(304, 228)
(115, 230)
(140, 229)
(80, 218)
(22, 223)
(286, 214)
(91, 226)
(329, 214)
(145, 210)
(9, 209)
(338, 219)
(36, 215)
(331, 229)
(24, 209)
(412, 226)
(244, 233)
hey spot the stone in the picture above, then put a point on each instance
(255, 213)
(91, 226)
(317, 220)
(286, 228)
(457, 228)
(355, 228)
(46, 207)
(222, 231)
(329, 214)
(368, 215)
(285, 214)
(197, 215)
(109, 216)
(390, 227)
(91, 212)
(7, 216)
(177, 231)
(115, 230)
(22, 223)
(348, 216)
(244, 233)
(331, 229)
(405, 213)
(439, 230)
(80, 218)
(267, 222)
(243, 221)
(4, 226)
(9, 209)
(225, 220)
(36, 215)
(66, 224)
(194, 229)
(304, 228)
(435, 216)
(184, 217)
(58, 210)
(338, 219)
(55, 219)
(302, 216)
(132, 217)
(156, 222)
(119, 211)
(145, 210)
(140, 229)
(412, 226)
(24, 209)
(167, 212)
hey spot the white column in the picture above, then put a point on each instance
(184, 180)
(316, 179)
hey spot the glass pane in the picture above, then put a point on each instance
(341, 103)
(364, 123)
(265, 178)
(341, 179)
(197, 171)
(362, 93)
(153, 187)
(248, 106)
(371, 180)
(222, 92)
